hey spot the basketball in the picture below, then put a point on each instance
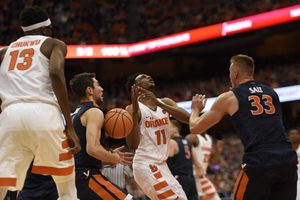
(118, 123)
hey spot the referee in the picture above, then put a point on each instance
(118, 174)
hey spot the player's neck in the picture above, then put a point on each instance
(295, 146)
(245, 80)
(150, 105)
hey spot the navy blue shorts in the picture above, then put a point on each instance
(38, 187)
(268, 174)
(189, 186)
(91, 184)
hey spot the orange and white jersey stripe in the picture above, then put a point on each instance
(157, 182)
(206, 189)
(203, 150)
(24, 73)
(155, 135)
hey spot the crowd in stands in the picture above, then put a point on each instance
(124, 21)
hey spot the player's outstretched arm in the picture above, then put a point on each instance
(133, 138)
(93, 119)
(199, 124)
(57, 64)
(168, 105)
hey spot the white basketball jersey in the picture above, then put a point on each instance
(203, 150)
(24, 73)
(298, 154)
(154, 135)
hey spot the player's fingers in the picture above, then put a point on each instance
(205, 102)
(128, 153)
(119, 148)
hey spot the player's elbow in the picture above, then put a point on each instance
(55, 74)
(91, 151)
(132, 143)
(132, 146)
(193, 129)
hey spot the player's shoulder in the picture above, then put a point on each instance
(55, 42)
(226, 98)
(93, 113)
(193, 138)
(2, 53)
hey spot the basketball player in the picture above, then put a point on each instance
(269, 169)
(150, 137)
(88, 122)
(181, 158)
(205, 152)
(34, 93)
(294, 136)
(39, 187)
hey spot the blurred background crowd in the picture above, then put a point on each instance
(126, 21)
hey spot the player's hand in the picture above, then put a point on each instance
(108, 164)
(73, 141)
(198, 102)
(125, 157)
(200, 172)
(148, 95)
(135, 94)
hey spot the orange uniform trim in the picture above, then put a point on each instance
(165, 194)
(8, 182)
(158, 175)
(65, 156)
(90, 101)
(240, 186)
(160, 185)
(207, 188)
(210, 195)
(248, 80)
(206, 148)
(237, 182)
(204, 182)
(111, 187)
(52, 170)
(65, 144)
(99, 190)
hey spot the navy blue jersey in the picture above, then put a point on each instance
(258, 120)
(83, 159)
(182, 163)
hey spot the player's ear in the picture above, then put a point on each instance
(44, 30)
(89, 90)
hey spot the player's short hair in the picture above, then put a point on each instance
(131, 82)
(32, 15)
(245, 61)
(80, 82)
(177, 124)
(293, 130)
